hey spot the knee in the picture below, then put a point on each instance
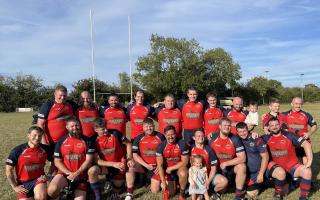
(154, 189)
(241, 168)
(306, 173)
(223, 181)
(183, 174)
(40, 196)
(93, 171)
(53, 190)
(280, 174)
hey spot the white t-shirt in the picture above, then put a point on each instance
(252, 118)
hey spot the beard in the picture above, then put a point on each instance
(76, 134)
(275, 132)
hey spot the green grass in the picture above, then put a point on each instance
(13, 128)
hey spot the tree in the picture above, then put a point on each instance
(125, 86)
(173, 65)
(265, 87)
(86, 84)
(7, 93)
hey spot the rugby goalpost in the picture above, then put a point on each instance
(93, 63)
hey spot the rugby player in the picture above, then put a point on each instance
(172, 161)
(212, 115)
(192, 114)
(144, 153)
(114, 160)
(282, 149)
(86, 114)
(26, 162)
(236, 114)
(231, 155)
(137, 112)
(72, 157)
(114, 114)
(274, 106)
(169, 115)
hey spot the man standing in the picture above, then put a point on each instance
(212, 115)
(113, 160)
(282, 148)
(86, 114)
(28, 161)
(52, 116)
(231, 155)
(236, 114)
(218, 181)
(114, 114)
(257, 159)
(72, 156)
(172, 161)
(144, 153)
(192, 114)
(137, 112)
(169, 115)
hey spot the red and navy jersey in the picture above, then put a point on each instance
(226, 149)
(212, 117)
(29, 162)
(235, 117)
(110, 146)
(136, 114)
(55, 115)
(192, 114)
(282, 148)
(86, 117)
(281, 117)
(253, 149)
(146, 146)
(172, 152)
(209, 157)
(168, 117)
(72, 151)
(297, 122)
(115, 118)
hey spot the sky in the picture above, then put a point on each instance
(279, 39)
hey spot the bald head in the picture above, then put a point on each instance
(296, 104)
(85, 99)
(237, 103)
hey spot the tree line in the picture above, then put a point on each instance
(171, 66)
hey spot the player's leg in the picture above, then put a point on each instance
(93, 176)
(40, 191)
(130, 177)
(305, 184)
(279, 175)
(240, 171)
(219, 182)
(80, 195)
(56, 185)
(155, 185)
(183, 180)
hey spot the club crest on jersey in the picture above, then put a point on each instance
(228, 146)
(40, 154)
(251, 144)
(79, 145)
(282, 141)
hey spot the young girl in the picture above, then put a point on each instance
(197, 178)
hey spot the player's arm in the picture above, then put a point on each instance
(139, 160)
(263, 166)
(212, 174)
(312, 130)
(85, 165)
(159, 160)
(41, 124)
(241, 158)
(12, 180)
(183, 163)
(130, 161)
(61, 166)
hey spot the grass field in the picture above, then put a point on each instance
(13, 128)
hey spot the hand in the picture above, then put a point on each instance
(42, 178)
(20, 189)
(207, 185)
(168, 170)
(306, 135)
(149, 167)
(119, 165)
(260, 178)
(72, 176)
(131, 164)
(163, 185)
(223, 166)
(254, 135)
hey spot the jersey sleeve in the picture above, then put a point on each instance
(161, 136)
(119, 136)
(160, 148)
(311, 120)
(180, 103)
(102, 109)
(48, 150)
(226, 112)
(130, 106)
(90, 147)
(45, 109)
(261, 145)
(12, 160)
(183, 147)
(296, 141)
(57, 149)
(237, 144)
(213, 160)
(135, 145)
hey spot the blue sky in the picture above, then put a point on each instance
(51, 38)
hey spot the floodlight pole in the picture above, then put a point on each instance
(301, 79)
(92, 57)
(129, 49)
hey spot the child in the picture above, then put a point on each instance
(253, 117)
(197, 178)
